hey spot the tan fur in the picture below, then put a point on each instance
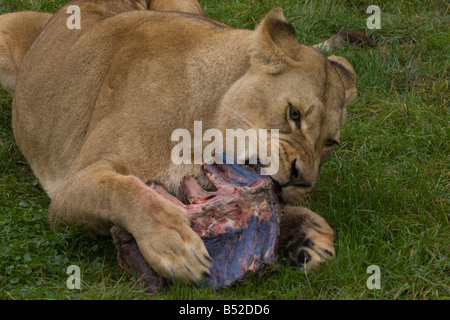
(17, 33)
(94, 110)
(176, 5)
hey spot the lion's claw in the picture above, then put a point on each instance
(306, 239)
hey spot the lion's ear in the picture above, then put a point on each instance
(347, 75)
(274, 43)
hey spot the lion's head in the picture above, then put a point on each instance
(299, 91)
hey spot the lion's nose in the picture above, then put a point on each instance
(297, 178)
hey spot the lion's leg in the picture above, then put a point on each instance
(305, 238)
(190, 6)
(98, 197)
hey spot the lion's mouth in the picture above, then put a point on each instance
(277, 189)
(301, 190)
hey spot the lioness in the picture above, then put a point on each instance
(94, 109)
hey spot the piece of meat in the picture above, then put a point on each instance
(131, 259)
(239, 224)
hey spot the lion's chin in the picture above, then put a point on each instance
(294, 193)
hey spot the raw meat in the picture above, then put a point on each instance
(239, 224)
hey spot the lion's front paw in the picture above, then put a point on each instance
(306, 239)
(174, 250)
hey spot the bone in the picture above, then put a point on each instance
(222, 175)
(192, 189)
(159, 189)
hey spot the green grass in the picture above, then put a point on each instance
(385, 192)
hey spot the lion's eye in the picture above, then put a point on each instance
(295, 116)
(331, 143)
